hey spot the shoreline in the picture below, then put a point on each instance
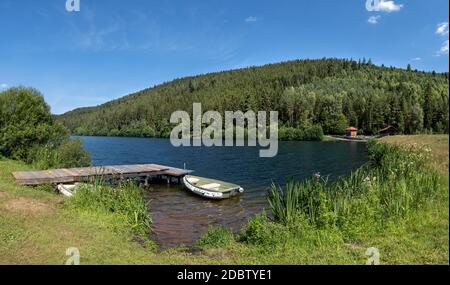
(342, 138)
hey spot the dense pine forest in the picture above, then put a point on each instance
(312, 96)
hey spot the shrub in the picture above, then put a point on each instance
(289, 134)
(312, 133)
(69, 153)
(125, 200)
(26, 121)
(29, 133)
(216, 237)
(259, 231)
(72, 154)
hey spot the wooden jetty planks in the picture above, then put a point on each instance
(173, 171)
(85, 173)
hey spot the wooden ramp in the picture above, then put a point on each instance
(70, 175)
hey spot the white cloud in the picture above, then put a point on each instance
(3, 86)
(415, 59)
(251, 19)
(442, 29)
(373, 19)
(444, 49)
(389, 6)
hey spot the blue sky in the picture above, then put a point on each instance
(111, 48)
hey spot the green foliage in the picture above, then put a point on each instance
(392, 187)
(313, 133)
(259, 231)
(29, 133)
(306, 198)
(69, 153)
(216, 237)
(72, 154)
(25, 122)
(330, 93)
(125, 201)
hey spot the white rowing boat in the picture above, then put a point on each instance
(211, 188)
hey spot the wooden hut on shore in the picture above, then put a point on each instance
(351, 132)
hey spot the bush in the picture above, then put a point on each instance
(26, 121)
(29, 133)
(313, 133)
(72, 154)
(289, 134)
(216, 237)
(69, 153)
(126, 200)
(259, 231)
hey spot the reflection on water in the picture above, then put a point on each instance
(180, 217)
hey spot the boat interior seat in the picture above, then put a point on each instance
(211, 186)
(193, 180)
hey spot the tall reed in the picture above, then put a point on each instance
(395, 183)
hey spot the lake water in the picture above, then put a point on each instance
(180, 217)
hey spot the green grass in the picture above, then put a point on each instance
(437, 145)
(216, 237)
(389, 203)
(404, 214)
(124, 202)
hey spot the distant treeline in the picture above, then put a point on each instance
(312, 96)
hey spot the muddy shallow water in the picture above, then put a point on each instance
(180, 217)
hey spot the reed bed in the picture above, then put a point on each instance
(393, 185)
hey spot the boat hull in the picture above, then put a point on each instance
(66, 190)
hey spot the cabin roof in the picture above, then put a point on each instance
(351, 129)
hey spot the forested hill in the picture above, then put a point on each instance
(331, 93)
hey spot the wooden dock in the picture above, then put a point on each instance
(85, 174)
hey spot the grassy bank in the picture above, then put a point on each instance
(396, 195)
(406, 219)
(437, 144)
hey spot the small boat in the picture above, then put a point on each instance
(67, 190)
(211, 188)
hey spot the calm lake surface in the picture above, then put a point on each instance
(180, 217)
